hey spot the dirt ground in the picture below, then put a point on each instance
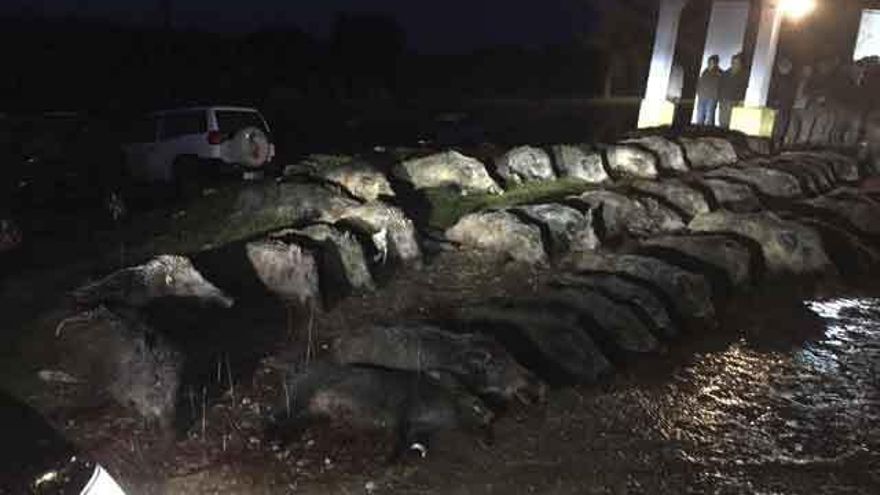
(713, 413)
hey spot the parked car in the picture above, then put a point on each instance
(35, 458)
(186, 143)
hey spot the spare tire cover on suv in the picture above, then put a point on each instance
(249, 147)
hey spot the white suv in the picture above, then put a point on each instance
(184, 143)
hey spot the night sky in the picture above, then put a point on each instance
(447, 25)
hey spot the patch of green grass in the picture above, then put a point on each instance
(208, 221)
(447, 206)
(319, 160)
(185, 228)
(202, 222)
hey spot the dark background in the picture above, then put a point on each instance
(65, 55)
(346, 73)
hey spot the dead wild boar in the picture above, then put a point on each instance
(161, 277)
(409, 404)
(116, 353)
(477, 361)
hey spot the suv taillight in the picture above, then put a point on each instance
(215, 137)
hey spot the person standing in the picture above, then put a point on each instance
(783, 92)
(733, 90)
(800, 115)
(708, 89)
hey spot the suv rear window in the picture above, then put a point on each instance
(184, 123)
(229, 122)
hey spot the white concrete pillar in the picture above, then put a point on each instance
(754, 118)
(725, 35)
(868, 42)
(656, 110)
(764, 59)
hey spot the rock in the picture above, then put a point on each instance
(689, 294)
(557, 351)
(342, 265)
(631, 161)
(769, 182)
(670, 155)
(855, 259)
(268, 203)
(577, 162)
(286, 269)
(708, 152)
(623, 216)
(688, 202)
(501, 232)
(734, 259)
(615, 328)
(524, 164)
(844, 168)
(789, 248)
(824, 176)
(814, 162)
(810, 177)
(164, 276)
(864, 192)
(565, 228)
(478, 362)
(729, 195)
(116, 353)
(393, 233)
(360, 179)
(410, 405)
(446, 169)
(664, 218)
(861, 213)
(640, 300)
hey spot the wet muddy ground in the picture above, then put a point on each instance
(784, 398)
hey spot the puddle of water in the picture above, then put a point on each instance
(815, 407)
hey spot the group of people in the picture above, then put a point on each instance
(830, 104)
(825, 104)
(719, 91)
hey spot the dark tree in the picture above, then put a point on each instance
(368, 49)
(623, 34)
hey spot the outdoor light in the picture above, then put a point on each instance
(797, 9)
